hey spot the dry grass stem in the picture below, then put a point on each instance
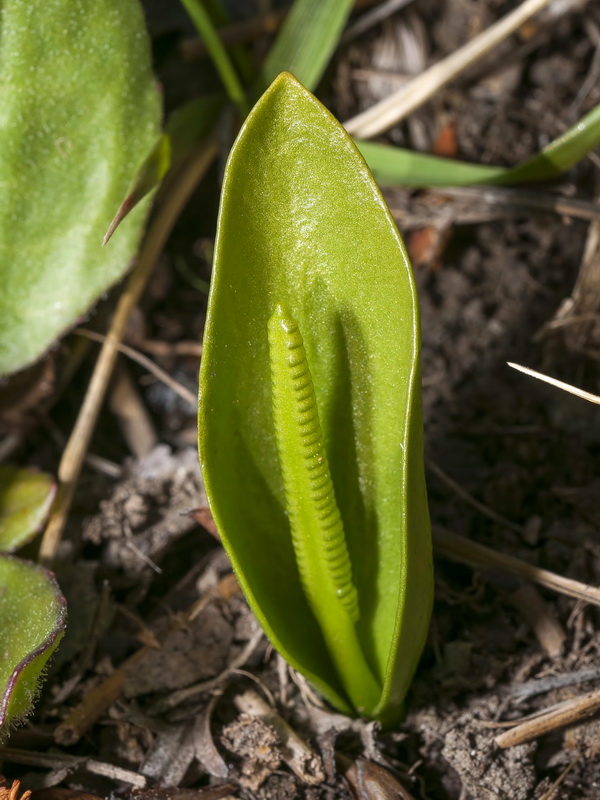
(145, 362)
(540, 617)
(74, 453)
(514, 199)
(573, 710)
(457, 548)
(472, 501)
(55, 761)
(388, 112)
(372, 18)
(566, 387)
(550, 793)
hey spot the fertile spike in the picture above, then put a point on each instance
(314, 516)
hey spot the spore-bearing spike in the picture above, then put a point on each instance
(304, 462)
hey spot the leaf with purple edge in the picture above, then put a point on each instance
(32, 622)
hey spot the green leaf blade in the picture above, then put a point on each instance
(25, 500)
(396, 166)
(32, 621)
(80, 112)
(303, 223)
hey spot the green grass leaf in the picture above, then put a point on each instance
(25, 500)
(202, 19)
(304, 239)
(32, 621)
(395, 166)
(186, 126)
(307, 40)
(80, 113)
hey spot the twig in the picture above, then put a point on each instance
(475, 204)
(54, 760)
(565, 713)
(189, 693)
(585, 297)
(517, 198)
(102, 465)
(72, 459)
(550, 793)
(553, 682)
(299, 757)
(81, 718)
(146, 362)
(169, 349)
(457, 548)
(566, 322)
(391, 110)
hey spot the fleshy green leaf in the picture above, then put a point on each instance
(80, 113)
(304, 239)
(32, 622)
(395, 166)
(307, 40)
(25, 500)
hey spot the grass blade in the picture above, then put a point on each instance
(205, 27)
(395, 166)
(307, 40)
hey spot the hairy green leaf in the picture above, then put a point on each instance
(25, 500)
(393, 165)
(80, 113)
(307, 255)
(32, 621)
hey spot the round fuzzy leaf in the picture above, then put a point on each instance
(25, 500)
(79, 114)
(32, 622)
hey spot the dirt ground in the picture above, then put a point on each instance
(512, 464)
